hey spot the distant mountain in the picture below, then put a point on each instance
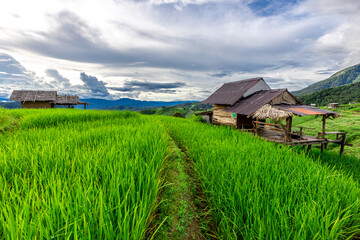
(126, 103)
(186, 109)
(10, 105)
(343, 94)
(347, 76)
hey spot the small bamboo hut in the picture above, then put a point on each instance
(248, 103)
(44, 99)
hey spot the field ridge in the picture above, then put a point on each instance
(184, 212)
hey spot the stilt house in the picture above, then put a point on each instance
(248, 103)
(45, 99)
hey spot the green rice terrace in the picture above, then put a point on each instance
(75, 174)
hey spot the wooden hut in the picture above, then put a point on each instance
(248, 103)
(228, 95)
(333, 105)
(34, 99)
(44, 99)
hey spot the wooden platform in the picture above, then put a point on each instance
(304, 140)
(294, 140)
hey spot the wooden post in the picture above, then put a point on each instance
(342, 144)
(323, 126)
(288, 129)
(85, 106)
(308, 149)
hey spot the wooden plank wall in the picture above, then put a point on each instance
(222, 117)
(36, 105)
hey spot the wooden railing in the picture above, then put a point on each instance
(259, 127)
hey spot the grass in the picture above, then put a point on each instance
(7, 121)
(71, 174)
(77, 174)
(260, 191)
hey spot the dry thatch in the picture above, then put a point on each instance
(268, 111)
(66, 100)
(33, 96)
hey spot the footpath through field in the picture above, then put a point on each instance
(183, 212)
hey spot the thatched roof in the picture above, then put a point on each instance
(66, 100)
(271, 112)
(45, 96)
(33, 96)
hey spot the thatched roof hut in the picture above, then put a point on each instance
(44, 99)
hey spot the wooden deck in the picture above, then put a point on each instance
(293, 141)
(279, 134)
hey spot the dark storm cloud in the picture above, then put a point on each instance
(139, 86)
(59, 80)
(94, 85)
(221, 74)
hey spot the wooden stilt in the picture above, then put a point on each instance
(287, 137)
(323, 127)
(308, 149)
(342, 144)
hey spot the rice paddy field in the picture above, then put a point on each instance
(74, 174)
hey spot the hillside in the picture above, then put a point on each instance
(346, 76)
(186, 109)
(343, 94)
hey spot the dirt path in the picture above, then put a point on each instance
(183, 212)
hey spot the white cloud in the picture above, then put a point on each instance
(179, 41)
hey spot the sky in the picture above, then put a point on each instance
(167, 50)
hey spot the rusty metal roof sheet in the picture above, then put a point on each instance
(249, 105)
(33, 96)
(303, 110)
(230, 93)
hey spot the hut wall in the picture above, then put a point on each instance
(285, 97)
(36, 105)
(222, 117)
(244, 122)
(261, 85)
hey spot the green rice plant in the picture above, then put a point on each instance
(80, 175)
(258, 190)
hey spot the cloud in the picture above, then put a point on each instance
(94, 85)
(145, 86)
(187, 41)
(221, 74)
(59, 80)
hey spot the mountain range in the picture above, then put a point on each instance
(346, 76)
(127, 103)
(119, 104)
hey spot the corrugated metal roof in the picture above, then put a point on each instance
(303, 110)
(230, 93)
(33, 96)
(249, 105)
